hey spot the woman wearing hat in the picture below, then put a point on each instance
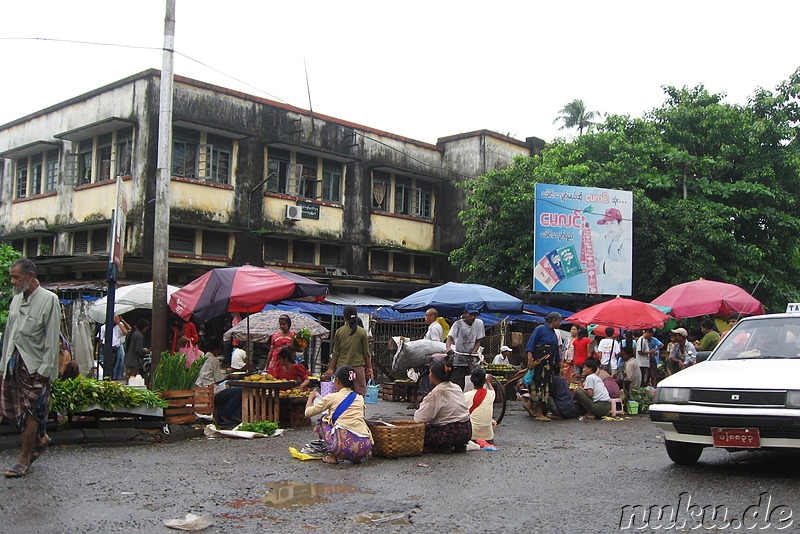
(351, 347)
(681, 353)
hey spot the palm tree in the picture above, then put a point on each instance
(575, 115)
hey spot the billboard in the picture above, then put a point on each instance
(583, 240)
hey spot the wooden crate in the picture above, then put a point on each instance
(204, 400)
(180, 407)
(293, 413)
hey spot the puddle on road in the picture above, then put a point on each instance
(290, 494)
(383, 518)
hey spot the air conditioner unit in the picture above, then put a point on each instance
(293, 213)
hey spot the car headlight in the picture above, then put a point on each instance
(673, 395)
(793, 399)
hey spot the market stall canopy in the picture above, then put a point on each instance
(707, 297)
(241, 289)
(451, 298)
(264, 324)
(621, 313)
(127, 298)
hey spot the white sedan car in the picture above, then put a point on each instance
(746, 395)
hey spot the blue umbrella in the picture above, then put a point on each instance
(451, 298)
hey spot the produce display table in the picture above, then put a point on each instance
(260, 400)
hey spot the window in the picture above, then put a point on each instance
(402, 263)
(124, 152)
(85, 162)
(277, 170)
(196, 160)
(308, 176)
(104, 158)
(381, 190)
(379, 260)
(22, 178)
(99, 238)
(32, 247)
(80, 242)
(184, 158)
(36, 179)
(46, 248)
(18, 245)
(276, 250)
(303, 252)
(181, 240)
(421, 200)
(402, 195)
(422, 265)
(51, 172)
(329, 255)
(331, 181)
(215, 244)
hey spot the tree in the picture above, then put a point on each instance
(716, 190)
(7, 256)
(575, 115)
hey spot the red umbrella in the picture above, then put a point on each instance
(240, 289)
(707, 297)
(621, 313)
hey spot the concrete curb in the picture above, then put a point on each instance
(110, 437)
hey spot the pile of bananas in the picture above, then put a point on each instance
(262, 378)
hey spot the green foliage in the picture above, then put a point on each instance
(76, 394)
(7, 256)
(172, 373)
(716, 190)
(575, 115)
(643, 396)
(261, 427)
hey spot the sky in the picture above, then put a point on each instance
(423, 70)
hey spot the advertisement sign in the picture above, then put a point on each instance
(583, 240)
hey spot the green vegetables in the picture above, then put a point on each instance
(76, 394)
(261, 427)
(643, 396)
(172, 374)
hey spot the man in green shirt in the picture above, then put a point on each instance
(29, 362)
(710, 336)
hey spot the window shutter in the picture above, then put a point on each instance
(294, 178)
(80, 242)
(99, 240)
(215, 244)
(329, 255)
(181, 240)
(379, 260)
(205, 161)
(276, 250)
(303, 252)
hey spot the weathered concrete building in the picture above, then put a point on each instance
(253, 181)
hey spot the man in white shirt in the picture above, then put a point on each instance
(609, 349)
(464, 337)
(503, 357)
(592, 393)
(644, 353)
(115, 367)
(435, 332)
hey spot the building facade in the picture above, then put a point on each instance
(253, 181)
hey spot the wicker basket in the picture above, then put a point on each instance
(406, 438)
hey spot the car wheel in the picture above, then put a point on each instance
(683, 453)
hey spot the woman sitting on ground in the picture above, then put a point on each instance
(445, 413)
(344, 430)
(288, 370)
(479, 402)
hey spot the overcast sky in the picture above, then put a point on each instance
(419, 69)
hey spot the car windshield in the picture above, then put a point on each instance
(761, 338)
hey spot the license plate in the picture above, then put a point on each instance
(745, 438)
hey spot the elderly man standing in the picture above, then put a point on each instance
(435, 332)
(465, 335)
(29, 362)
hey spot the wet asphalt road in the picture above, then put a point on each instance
(549, 477)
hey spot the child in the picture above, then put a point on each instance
(479, 402)
(344, 430)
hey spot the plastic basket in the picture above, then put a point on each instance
(633, 407)
(405, 438)
(326, 387)
(372, 393)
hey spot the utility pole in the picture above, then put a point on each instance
(158, 336)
